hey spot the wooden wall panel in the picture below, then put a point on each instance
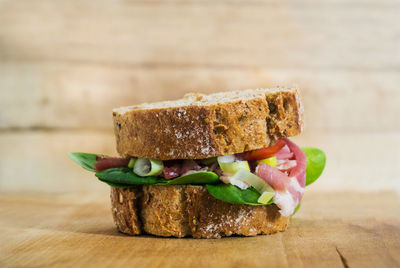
(76, 60)
(38, 162)
(264, 33)
(81, 96)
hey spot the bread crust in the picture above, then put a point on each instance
(189, 210)
(198, 130)
(125, 209)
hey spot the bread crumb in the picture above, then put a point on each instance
(178, 134)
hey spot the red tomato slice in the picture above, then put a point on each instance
(110, 162)
(264, 152)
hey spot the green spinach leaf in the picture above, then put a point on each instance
(85, 160)
(232, 194)
(316, 160)
(119, 185)
(297, 208)
(124, 175)
(195, 178)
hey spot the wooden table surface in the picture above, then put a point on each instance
(330, 230)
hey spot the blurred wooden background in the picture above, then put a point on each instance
(65, 64)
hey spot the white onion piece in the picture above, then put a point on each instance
(148, 167)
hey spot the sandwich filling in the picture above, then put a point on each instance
(276, 174)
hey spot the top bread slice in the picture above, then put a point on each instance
(202, 126)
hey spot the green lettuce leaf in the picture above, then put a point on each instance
(119, 185)
(194, 178)
(297, 208)
(232, 194)
(316, 161)
(125, 176)
(85, 160)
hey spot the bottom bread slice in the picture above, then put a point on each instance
(189, 210)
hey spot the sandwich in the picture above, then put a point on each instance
(208, 166)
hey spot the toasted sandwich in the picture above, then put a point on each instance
(208, 166)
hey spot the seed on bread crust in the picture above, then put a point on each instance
(202, 126)
(189, 210)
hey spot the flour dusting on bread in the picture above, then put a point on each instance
(201, 126)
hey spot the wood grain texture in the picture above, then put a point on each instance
(317, 34)
(361, 230)
(39, 94)
(79, 59)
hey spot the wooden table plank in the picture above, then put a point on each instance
(75, 230)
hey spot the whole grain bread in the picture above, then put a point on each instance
(201, 126)
(188, 210)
